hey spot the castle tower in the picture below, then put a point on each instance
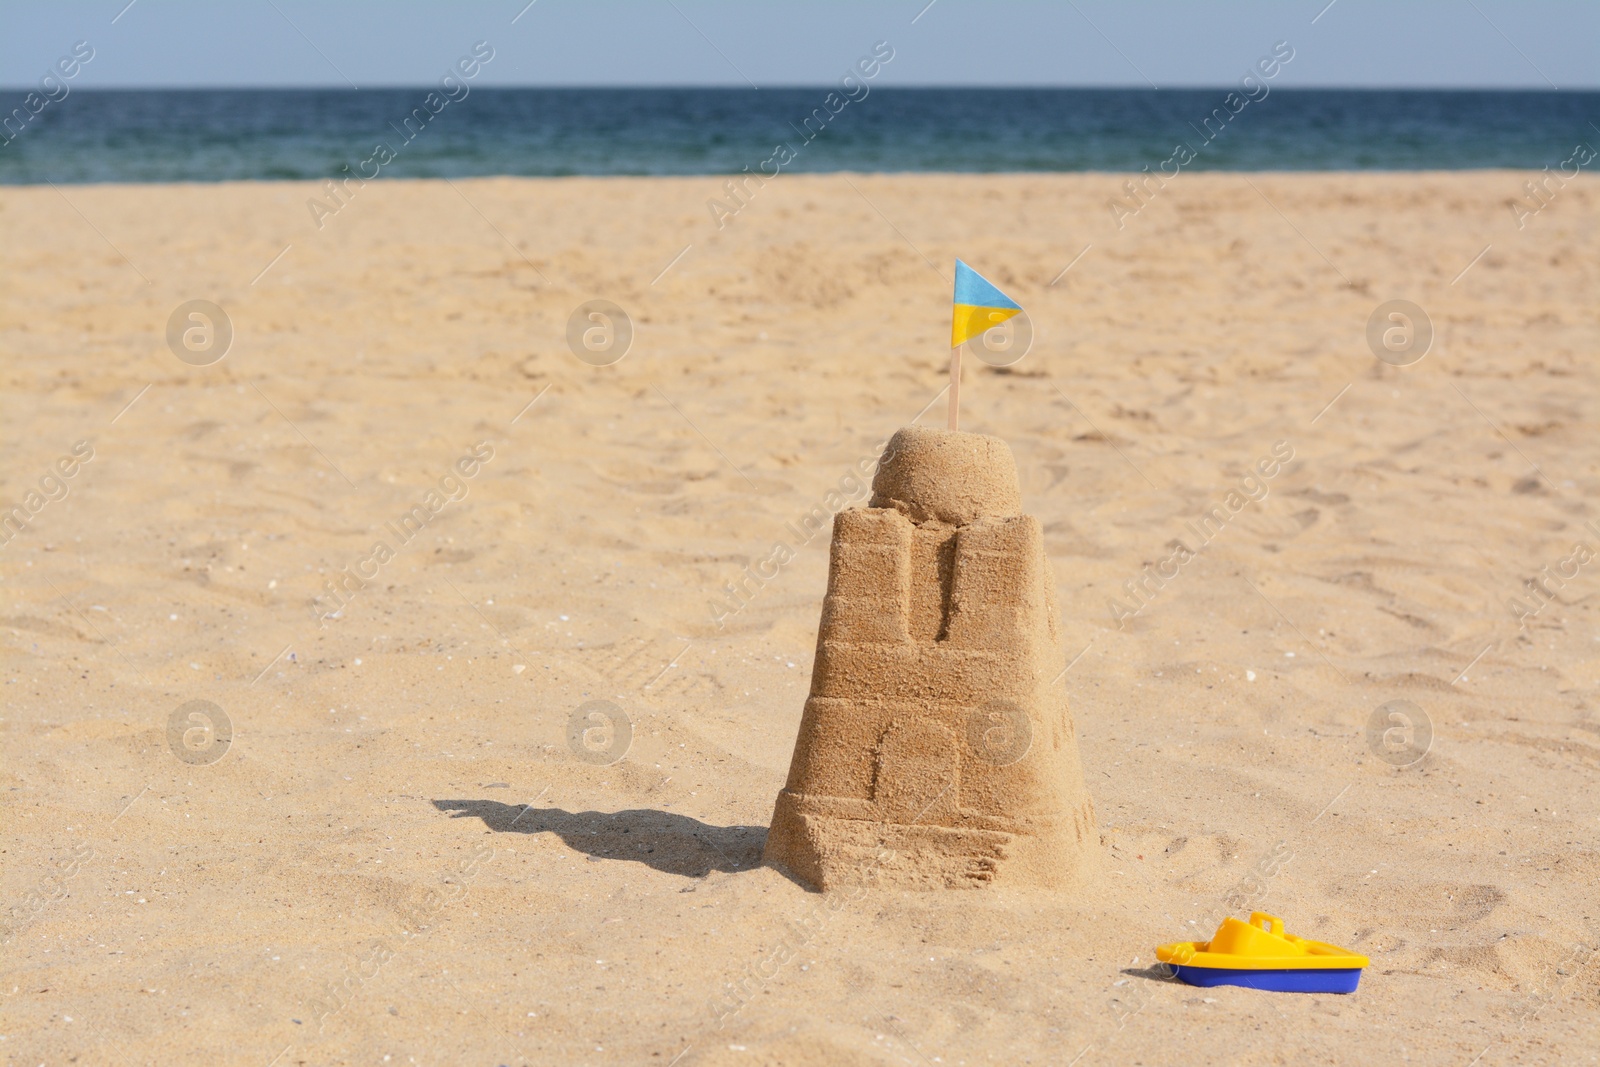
(935, 750)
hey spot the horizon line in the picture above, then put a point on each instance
(822, 86)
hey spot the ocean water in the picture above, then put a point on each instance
(227, 135)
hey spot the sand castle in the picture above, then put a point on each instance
(936, 750)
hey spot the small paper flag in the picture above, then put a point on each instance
(978, 306)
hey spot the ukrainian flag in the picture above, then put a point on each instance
(978, 306)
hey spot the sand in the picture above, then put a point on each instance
(400, 858)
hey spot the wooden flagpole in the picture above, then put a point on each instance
(955, 388)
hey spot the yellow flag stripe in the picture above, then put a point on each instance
(969, 320)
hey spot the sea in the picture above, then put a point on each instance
(265, 135)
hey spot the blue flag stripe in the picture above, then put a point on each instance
(973, 288)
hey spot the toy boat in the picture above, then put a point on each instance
(1260, 955)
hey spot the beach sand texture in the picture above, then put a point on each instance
(399, 855)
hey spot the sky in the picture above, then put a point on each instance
(1533, 44)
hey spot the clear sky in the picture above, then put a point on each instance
(1356, 43)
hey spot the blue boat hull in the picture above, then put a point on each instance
(1280, 981)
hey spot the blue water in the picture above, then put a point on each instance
(222, 135)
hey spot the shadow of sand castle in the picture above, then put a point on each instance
(674, 844)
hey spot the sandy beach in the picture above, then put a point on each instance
(386, 851)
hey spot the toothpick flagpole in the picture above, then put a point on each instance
(955, 388)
